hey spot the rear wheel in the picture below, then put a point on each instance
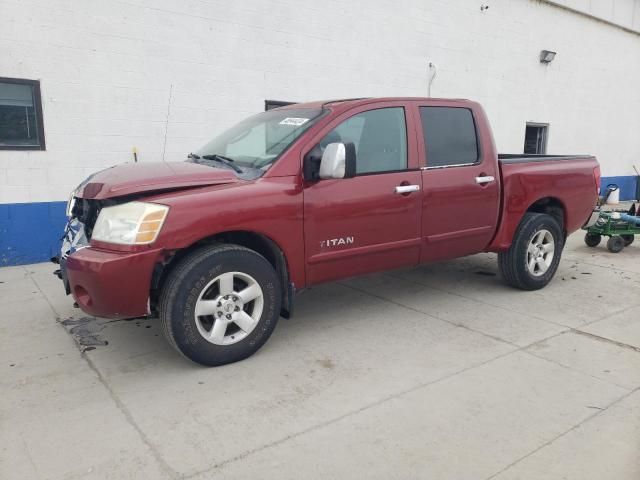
(615, 244)
(220, 304)
(534, 255)
(592, 239)
(628, 239)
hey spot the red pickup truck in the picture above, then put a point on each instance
(287, 199)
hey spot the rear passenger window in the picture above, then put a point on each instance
(380, 138)
(449, 136)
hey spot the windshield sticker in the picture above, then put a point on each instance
(294, 121)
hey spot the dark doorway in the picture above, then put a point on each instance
(535, 138)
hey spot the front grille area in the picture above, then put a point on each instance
(87, 212)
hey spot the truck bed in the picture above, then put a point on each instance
(566, 182)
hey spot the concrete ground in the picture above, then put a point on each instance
(437, 372)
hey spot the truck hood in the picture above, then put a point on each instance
(132, 178)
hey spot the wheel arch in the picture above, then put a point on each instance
(257, 242)
(551, 206)
(512, 217)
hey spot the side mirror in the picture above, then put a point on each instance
(338, 161)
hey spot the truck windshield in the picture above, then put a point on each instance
(258, 141)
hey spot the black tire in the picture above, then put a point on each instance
(628, 239)
(187, 281)
(513, 262)
(615, 244)
(592, 239)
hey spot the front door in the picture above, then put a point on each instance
(370, 222)
(461, 200)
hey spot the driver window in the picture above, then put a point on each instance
(380, 138)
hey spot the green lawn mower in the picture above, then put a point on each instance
(619, 225)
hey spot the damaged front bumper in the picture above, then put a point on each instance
(111, 284)
(106, 283)
(74, 239)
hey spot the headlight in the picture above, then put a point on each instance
(133, 223)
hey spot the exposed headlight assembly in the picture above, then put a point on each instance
(132, 223)
(71, 203)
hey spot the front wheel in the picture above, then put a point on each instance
(534, 255)
(220, 304)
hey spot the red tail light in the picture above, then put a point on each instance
(596, 176)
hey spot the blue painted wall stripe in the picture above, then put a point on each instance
(30, 232)
(627, 185)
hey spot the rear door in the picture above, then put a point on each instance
(461, 200)
(370, 222)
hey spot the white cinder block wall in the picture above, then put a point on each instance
(166, 75)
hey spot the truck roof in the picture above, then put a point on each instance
(344, 103)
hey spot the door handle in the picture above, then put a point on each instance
(407, 188)
(485, 179)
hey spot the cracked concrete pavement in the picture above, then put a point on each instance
(439, 372)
